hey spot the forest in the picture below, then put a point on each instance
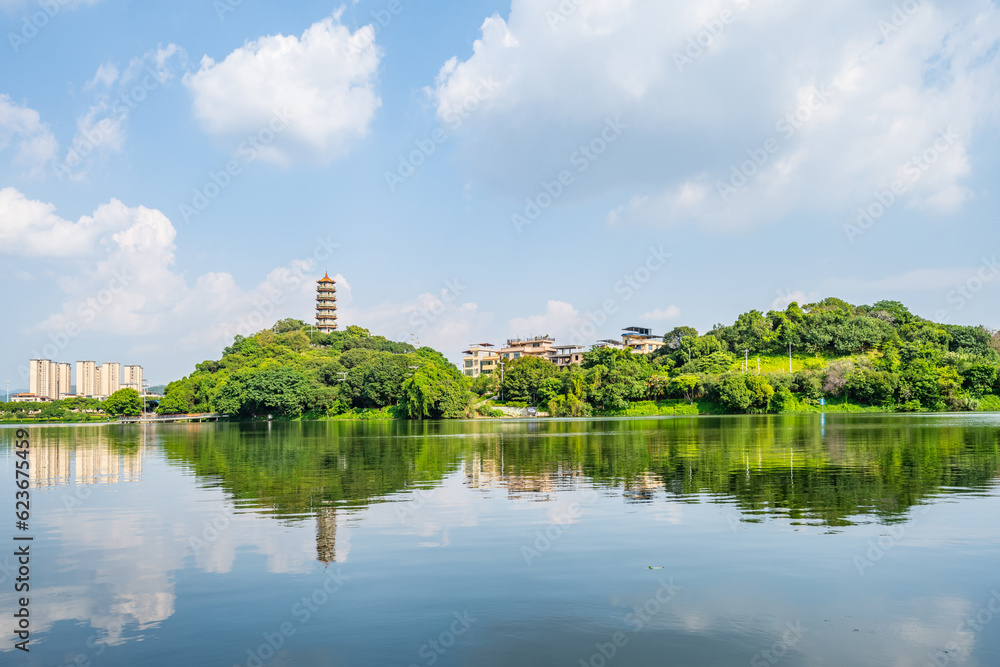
(828, 355)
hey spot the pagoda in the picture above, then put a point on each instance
(326, 304)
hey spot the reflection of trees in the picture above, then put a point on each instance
(878, 466)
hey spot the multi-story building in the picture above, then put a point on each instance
(109, 377)
(132, 378)
(64, 377)
(539, 346)
(28, 398)
(86, 378)
(326, 304)
(480, 360)
(49, 380)
(565, 356)
(43, 378)
(641, 340)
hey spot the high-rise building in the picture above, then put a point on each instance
(86, 378)
(64, 380)
(43, 378)
(109, 377)
(132, 378)
(326, 304)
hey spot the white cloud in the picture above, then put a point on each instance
(558, 321)
(107, 74)
(800, 297)
(889, 91)
(326, 82)
(442, 321)
(662, 314)
(23, 128)
(102, 130)
(116, 269)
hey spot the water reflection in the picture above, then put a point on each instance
(136, 522)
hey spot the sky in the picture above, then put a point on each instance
(175, 174)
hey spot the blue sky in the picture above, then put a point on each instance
(476, 171)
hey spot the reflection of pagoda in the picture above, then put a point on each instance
(326, 304)
(326, 535)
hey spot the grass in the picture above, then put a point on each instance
(778, 363)
(662, 408)
(833, 406)
(989, 403)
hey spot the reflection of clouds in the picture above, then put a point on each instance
(668, 512)
(429, 513)
(119, 544)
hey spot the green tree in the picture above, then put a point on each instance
(686, 385)
(124, 403)
(523, 379)
(436, 392)
(674, 337)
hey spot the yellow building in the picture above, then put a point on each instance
(542, 347)
(326, 304)
(479, 360)
(641, 340)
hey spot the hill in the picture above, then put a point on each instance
(851, 358)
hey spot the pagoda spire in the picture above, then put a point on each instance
(326, 304)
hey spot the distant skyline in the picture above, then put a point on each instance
(173, 174)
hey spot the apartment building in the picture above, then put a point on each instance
(86, 378)
(479, 360)
(542, 347)
(564, 356)
(109, 378)
(641, 340)
(132, 378)
(48, 379)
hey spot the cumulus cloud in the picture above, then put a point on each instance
(786, 298)
(662, 314)
(814, 108)
(442, 320)
(558, 321)
(325, 81)
(116, 270)
(102, 130)
(22, 128)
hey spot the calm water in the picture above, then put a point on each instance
(756, 541)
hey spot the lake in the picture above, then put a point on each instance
(771, 540)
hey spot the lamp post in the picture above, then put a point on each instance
(145, 390)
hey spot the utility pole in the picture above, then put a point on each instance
(789, 358)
